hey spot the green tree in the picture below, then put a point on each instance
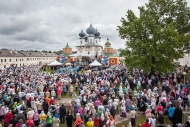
(120, 50)
(158, 36)
(58, 52)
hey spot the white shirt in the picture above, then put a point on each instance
(30, 114)
(152, 121)
(153, 105)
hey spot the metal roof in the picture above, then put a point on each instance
(10, 53)
(16, 53)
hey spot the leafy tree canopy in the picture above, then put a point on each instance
(158, 36)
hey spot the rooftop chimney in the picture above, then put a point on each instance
(15, 52)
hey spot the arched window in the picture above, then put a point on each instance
(112, 61)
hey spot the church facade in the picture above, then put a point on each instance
(90, 42)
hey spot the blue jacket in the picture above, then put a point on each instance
(171, 111)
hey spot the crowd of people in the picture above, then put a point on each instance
(31, 98)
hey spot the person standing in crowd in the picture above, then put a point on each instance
(78, 121)
(20, 115)
(20, 123)
(160, 119)
(152, 121)
(45, 106)
(177, 116)
(132, 115)
(102, 121)
(90, 123)
(7, 119)
(146, 123)
(69, 119)
(30, 122)
(36, 118)
(96, 121)
(56, 120)
(49, 120)
(171, 113)
(14, 121)
(62, 114)
(111, 122)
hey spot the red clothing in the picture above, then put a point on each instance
(52, 101)
(30, 123)
(59, 91)
(160, 108)
(170, 82)
(8, 117)
(96, 121)
(145, 124)
(185, 90)
(78, 121)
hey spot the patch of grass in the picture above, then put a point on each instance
(139, 119)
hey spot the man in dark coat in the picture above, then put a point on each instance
(62, 111)
(45, 106)
(112, 111)
(14, 121)
(132, 85)
(177, 117)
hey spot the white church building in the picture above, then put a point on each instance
(90, 42)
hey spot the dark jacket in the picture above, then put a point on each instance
(21, 116)
(45, 105)
(14, 121)
(69, 120)
(187, 124)
(102, 123)
(112, 111)
(62, 110)
(160, 121)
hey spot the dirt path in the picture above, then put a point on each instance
(65, 100)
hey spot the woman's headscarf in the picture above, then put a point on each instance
(102, 118)
(24, 125)
(90, 119)
(42, 112)
(56, 116)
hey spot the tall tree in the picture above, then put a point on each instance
(158, 36)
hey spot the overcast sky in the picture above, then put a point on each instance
(50, 24)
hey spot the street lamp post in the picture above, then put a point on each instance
(184, 74)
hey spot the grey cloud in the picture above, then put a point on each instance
(12, 25)
(49, 25)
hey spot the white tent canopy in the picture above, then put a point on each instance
(95, 63)
(54, 63)
(80, 54)
(67, 64)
